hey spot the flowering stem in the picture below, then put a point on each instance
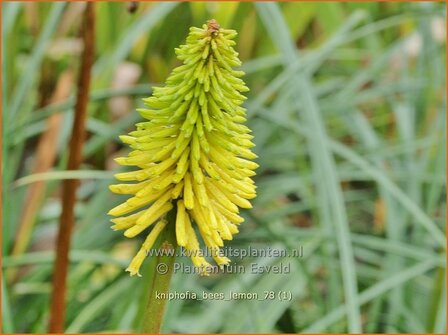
(159, 284)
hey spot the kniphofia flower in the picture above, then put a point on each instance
(192, 153)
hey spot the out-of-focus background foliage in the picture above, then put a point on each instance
(347, 105)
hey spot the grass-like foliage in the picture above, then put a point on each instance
(347, 111)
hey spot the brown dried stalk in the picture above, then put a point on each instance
(69, 187)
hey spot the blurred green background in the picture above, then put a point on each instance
(347, 106)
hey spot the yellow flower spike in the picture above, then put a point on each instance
(192, 152)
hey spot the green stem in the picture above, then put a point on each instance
(159, 285)
(436, 297)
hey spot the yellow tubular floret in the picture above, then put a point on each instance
(149, 219)
(126, 222)
(137, 261)
(201, 220)
(155, 207)
(181, 224)
(188, 192)
(132, 204)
